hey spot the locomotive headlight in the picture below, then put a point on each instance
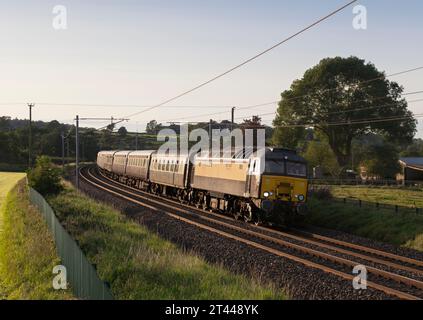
(266, 194)
(301, 197)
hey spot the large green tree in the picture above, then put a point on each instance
(381, 160)
(341, 99)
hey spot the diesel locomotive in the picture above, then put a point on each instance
(260, 187)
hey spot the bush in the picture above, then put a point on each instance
(45, 178)
(322, 193)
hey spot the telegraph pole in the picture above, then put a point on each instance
(77, 119)
(30, 105)
(77, 152)
(232, 127)
(210, 135)
(62, 135)
(136, 139)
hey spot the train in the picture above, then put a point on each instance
(260, 187)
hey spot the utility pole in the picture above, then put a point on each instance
(232, 124)
(77, 119)
(62, 135)
(67, 151)
(210, 136)
(136, 139)
(77, 152)
(30, 105)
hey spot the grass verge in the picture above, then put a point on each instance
(392, 196)
(403, 229)
(27, 251)
(138, 264)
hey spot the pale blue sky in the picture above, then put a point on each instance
(143, 52)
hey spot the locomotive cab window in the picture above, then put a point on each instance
(296, 169)
(275, 166)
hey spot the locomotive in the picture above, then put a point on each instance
(259, 187)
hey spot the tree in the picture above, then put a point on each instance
(319, 154)
(253, 123)
(341, 99)
(381, 161)
(413, 150)
(288, 137)
(153, 127)
(45, 178)
(122, 131)
(4, 123)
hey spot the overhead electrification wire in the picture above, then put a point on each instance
(275, 102)
(342, 111)
(54, 104)
(345, 123)
(246, 61)
(294, 98)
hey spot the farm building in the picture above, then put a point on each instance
(411, 169)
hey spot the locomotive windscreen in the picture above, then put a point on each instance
(282, 167)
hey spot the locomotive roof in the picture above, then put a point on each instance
(243, 153)
(270, 153)
(247, 153)
(281, 153)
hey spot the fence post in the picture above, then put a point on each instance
(396, 208)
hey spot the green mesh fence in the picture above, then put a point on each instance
(81, 275)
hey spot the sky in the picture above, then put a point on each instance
(140, 53)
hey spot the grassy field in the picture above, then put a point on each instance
(404, 229)
(140, 265)
(7, 181)
(27, 251)
(393, 196)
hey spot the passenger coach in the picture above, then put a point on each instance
(263, 186)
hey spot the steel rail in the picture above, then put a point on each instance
(387, 290)
(310, 241)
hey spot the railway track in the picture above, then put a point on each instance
(398, 276)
